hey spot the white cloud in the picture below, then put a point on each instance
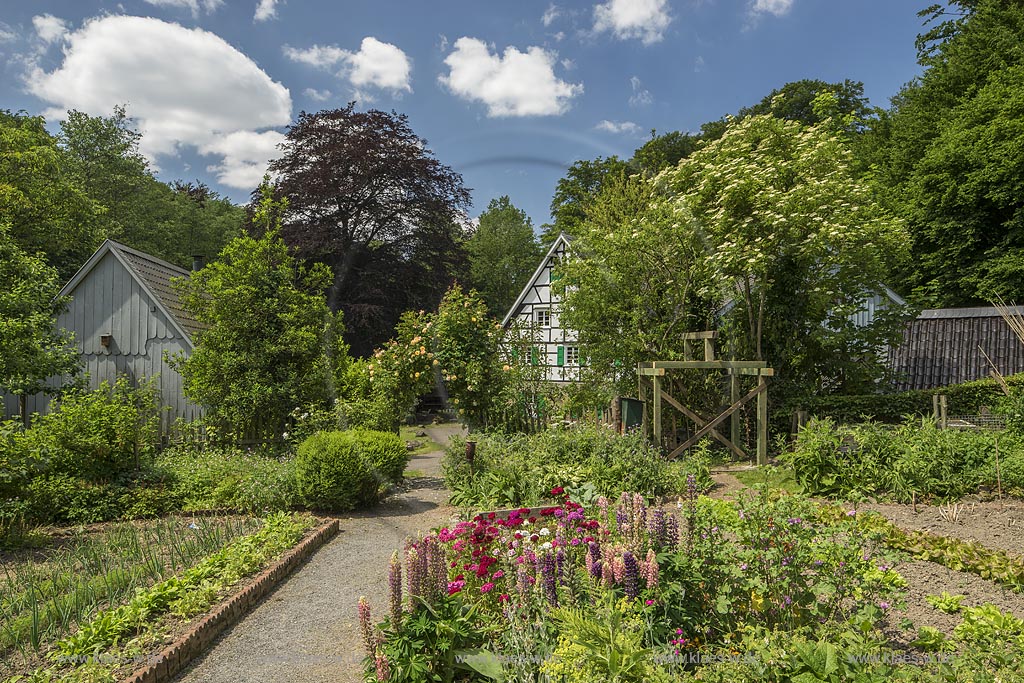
(559, 37)
(245, 154)
(617, 127)
(550, 14)
(192, 5)
(183, 87)
(49, 28)
(513, 84)
(568, 64)
(377, 64)
(317, 95)
(7, 34)
(698, 64)
(627, 19)
(641, 96)
(266, 10)
(442, 43)
(776, 7)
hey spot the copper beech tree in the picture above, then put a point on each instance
(367, 198)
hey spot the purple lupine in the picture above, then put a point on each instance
(395, 589)
(656, 527)
(547, 570)
(630, 575)
(414, 572)
(594, 560)
(560, 566)
(672, 532)
(602, 506)
(523, 583)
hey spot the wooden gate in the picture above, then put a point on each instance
(650, 378)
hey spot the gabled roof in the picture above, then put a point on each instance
(153, 275)
(561, 239)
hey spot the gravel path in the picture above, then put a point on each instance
(306, 631)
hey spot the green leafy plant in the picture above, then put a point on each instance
(947, 603)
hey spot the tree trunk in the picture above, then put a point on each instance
(342, 268)
(23, 410)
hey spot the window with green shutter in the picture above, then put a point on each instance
(561, 355)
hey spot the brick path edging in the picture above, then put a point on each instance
(175, 657)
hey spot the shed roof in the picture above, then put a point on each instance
(154, 275)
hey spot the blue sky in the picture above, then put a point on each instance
(507, 93)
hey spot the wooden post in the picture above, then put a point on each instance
(616, 410)
(762, 423)
(943, 415)
(935, 408)
(470, 454)
(709, 349)
(734, 395)
(656, 381)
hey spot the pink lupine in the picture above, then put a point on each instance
(395, 589)
(366, 627)
(382, 666)
(651, 567)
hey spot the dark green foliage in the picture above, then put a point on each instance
(576, 192)
(173, 222)
(503, 253)
(334, 472)
(913, 461)
(963, 399)
(31, 349)
(96, 435)
(515, 469)
(270, 343)
(431, 642)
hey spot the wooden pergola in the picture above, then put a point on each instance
(651, 375)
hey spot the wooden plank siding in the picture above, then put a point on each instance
(944, 346)
(112, 297)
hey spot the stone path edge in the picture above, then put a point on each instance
(175, 657)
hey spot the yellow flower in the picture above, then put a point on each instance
(417, 375)
(506, 368)
(437, 362)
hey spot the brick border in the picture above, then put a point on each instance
(175, 657)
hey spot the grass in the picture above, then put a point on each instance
(47, 594)
(775, 477)
(408, 433)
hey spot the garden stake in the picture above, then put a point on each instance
(999, 479)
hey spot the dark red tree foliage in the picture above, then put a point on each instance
(368, 198)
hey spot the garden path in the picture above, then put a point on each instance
(307, 631)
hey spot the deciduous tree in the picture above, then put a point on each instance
(503, 253)
(32, 349)
(364, 194)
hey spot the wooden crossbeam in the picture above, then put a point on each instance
(710, 426)
(703, 364)
(718, 436)
(706, 334)
(757, 372)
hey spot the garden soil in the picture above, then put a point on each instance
(307, 630)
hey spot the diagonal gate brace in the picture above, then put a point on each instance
(710, 426)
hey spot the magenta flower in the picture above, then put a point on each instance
(487, 587)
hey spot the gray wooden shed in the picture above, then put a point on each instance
(126, 316)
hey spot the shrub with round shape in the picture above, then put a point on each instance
(333, 473)
(386, 453)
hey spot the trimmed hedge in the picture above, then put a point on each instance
(963, 399)
(345, 470)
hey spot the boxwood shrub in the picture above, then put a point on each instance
(345, 470)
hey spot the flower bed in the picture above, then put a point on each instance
(764, 589)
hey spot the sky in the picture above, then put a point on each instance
(508, 93)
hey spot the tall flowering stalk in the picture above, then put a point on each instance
(549, 579)
(657, 527)
(382, 667)
(415, 564)
(630, 575)
(672, 532)
(691, 510)
(395, 589)
(650, 569)
(366, 627)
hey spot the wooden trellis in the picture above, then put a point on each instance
(651, 373)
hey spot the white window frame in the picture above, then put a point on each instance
(572, 355)
(537, 317)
